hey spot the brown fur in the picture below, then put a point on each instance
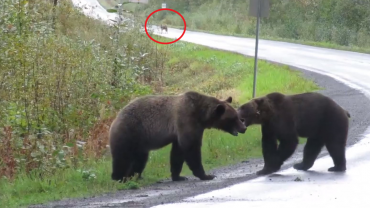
(285, 117)
(155, 121)
(164, 27)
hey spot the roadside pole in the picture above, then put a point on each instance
(164, 5)
(258, 9)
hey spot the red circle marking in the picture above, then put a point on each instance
(183, 19)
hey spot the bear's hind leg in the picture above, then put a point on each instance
(139, 163)
(311, 151)
(176, 160)
(337, 152)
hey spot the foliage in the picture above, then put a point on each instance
(61, 73)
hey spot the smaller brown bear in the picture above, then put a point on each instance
(164, 27)
(152, 122)
(285, 117)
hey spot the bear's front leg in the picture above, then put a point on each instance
(287, 146)
(190, 142)
(194, 160)
(269, 151)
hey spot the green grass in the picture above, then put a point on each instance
(187, 67)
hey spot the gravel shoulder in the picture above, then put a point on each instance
(355, 102)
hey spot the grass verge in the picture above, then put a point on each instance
(186, 67)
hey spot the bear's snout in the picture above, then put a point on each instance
(241, 127)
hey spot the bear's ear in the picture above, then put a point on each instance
(220, 109)
(259, 102)
(229, 99)
(263, 106)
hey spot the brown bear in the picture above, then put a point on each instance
(152, 122)
(287, 117)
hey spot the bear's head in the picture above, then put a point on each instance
(256, 111)
(226, 118)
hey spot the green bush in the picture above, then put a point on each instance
(61, 73)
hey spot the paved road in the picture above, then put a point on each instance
(291, 189)
(318, 187)
(348, 67)
(243, 187)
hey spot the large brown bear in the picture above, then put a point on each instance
(152, 122)
(287, 117)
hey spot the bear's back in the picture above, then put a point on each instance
(149, 119)
(313, 111)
